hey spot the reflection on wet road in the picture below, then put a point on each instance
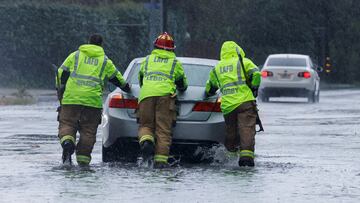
(309, 152)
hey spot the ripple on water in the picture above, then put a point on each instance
(26, 144)
(36, 137)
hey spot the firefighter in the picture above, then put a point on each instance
(237, 100)
(160, 75)
(81, 81)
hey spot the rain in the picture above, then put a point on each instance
(307, 153)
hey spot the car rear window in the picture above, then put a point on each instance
(286, 62)
(196, 74)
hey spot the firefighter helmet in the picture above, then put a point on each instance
(164, 41)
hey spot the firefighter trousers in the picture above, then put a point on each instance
(82, 119)
(156, 118)
(241, 129)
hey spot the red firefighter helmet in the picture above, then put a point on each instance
(164, 41)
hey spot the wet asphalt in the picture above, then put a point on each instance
(308, 153)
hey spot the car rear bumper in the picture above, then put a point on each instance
(281, 91)
(280, 83)
(185, 132)
(128, 149)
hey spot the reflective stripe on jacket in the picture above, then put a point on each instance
(89, 68)
(161, 74)
(228, 76)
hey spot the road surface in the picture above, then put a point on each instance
(308, 153)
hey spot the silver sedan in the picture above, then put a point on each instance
(292, 75)
(200, 124)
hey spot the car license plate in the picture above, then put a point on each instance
(285, 75)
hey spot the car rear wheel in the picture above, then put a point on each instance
(312, 97)
(121, 150)
(108, 154)
(317, 97)
(202, 153)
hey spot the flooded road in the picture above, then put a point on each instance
(308, 153)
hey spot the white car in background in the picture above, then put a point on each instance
(291, 75)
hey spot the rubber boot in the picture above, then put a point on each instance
(161, 165)
(68, 149)
(147, 150)
(246, 161)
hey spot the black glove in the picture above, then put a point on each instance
(206, 95)
(255, 91)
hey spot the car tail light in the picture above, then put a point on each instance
(266, 73)
(304, 74)
(117, 101)
(204, 106)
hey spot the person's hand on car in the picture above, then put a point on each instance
(255, 91)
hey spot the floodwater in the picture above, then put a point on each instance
(308, 153)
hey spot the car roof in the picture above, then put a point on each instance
(189, 60)
(288, 56)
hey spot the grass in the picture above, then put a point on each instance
(21, 97)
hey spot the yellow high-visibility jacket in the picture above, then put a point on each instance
(229, 77)
(161, 74)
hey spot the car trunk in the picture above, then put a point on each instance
(185, 103)
(283, 73)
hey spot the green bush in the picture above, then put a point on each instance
(34, 35)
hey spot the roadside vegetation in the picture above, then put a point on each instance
(36, 33)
